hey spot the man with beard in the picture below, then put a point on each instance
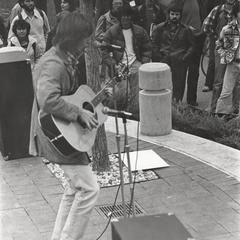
(173, 44)
(37, 20)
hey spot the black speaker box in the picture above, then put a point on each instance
(153, 227)
(16, 98)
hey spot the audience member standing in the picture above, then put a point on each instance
(67, 6)
(21, 38)
(148, 15)
(194, 12)
(173, 44)
(58, 4)
(228, 47)
(41, 4)
(3, 33)
(107, 20)
(14, 12)
(213, 24)
(103, 24)
(37, 20)
(101, 7)
(136, 50)
(211, 50)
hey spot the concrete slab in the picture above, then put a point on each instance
(219, 156)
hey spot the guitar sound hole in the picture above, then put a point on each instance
(89, 107)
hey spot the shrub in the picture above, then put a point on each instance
(203, 124)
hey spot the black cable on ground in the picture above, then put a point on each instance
(202, 59)
(109, 220)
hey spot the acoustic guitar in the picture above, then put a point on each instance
(71, 137)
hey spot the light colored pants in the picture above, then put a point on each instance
(78, 200)
(231, 80)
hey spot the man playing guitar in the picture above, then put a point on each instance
(55, 78)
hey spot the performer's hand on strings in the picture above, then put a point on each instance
(87, 119)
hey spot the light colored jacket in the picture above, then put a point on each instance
(32, 52)
(39, 27)
(52, 80)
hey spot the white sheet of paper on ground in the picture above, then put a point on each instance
(146, 159)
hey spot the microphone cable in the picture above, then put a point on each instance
(114, 205)
(109, 220)
(127, 92)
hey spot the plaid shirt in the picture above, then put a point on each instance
(211, 22)
(103, 24)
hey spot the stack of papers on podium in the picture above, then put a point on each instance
(12, 54)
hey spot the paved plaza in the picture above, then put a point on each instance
(203, 194)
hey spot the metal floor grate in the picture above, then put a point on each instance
(106, 210)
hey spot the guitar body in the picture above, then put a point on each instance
(75, 135)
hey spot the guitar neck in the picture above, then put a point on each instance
(100, 96)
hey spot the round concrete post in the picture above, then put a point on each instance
(155, 99)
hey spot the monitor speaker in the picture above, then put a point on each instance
(153, 227)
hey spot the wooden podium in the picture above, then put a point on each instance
(16, 98)
(154, 227)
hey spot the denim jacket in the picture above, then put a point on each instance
(228, 43)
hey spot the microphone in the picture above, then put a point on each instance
(118, 113)
(110, 46)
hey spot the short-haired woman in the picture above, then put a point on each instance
(21, 38)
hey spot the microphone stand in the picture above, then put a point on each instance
(127, 150)
(118, 138)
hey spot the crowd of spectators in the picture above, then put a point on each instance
(179, 34)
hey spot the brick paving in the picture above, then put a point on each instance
(206, 200)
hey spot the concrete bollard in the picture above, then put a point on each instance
(155, 99)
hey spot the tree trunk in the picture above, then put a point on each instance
(99, 150)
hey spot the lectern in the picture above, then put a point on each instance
(16, 98)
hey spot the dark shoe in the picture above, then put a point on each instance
(206, 89)
(193, 104)
(225, 117)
